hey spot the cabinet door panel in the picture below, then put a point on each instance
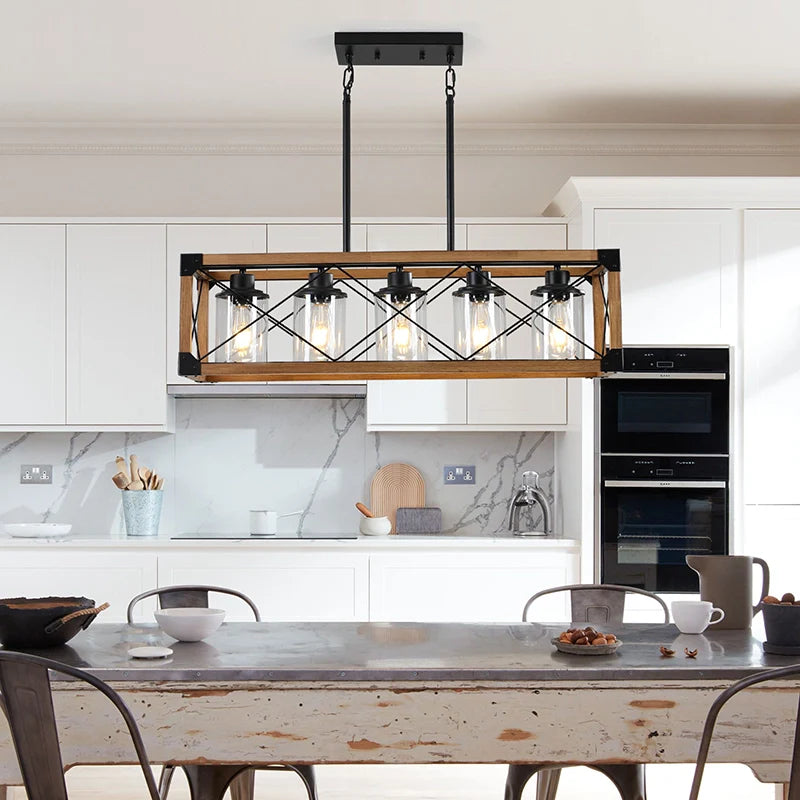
(201, 239)
(32, 262)
(678, 273)
(284, 586)
(771, 358)
(467, 587)
(534, 401)
(116, 325)
(417, 403)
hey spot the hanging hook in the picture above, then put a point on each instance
(349, 74)
(450, 76)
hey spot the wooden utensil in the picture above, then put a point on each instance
(159, 484)
(144, 475)
(122, 467)
(136, 484)
(121, 480)
(395, 486)
(364, 510)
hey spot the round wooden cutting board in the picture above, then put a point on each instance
(396, 486)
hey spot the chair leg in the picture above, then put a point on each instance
(306, 774)
(164, 781)
(210, 782)
(518, 776)
(243, 786)
(547, 783)
(628, 778)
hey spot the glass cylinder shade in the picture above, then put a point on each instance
(479, 313)
(319, 318)
(558, 332)
(400, 319)
(241, 328)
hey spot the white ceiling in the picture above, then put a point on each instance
(260, 61)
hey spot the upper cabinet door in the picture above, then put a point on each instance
(771, 360)
(312, 238)
(32, 324)
(201, 239)
(678, 273)
(116, 325)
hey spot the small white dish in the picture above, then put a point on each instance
(149, 652)
(375, 526)
(189, 624)
(36, 530)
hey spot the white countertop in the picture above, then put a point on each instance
(399, 541)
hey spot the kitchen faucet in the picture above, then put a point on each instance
(526, 497)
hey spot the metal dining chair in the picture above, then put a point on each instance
(708, 729)
(27, 701)
(197, 597)
(600, 604)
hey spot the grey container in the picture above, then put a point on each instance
(142, 511)
(782, 625)
(418, 520)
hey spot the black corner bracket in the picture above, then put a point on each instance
(612, 361)
(190, 263)
(609, 258)
(188, 365)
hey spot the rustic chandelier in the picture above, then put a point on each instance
(400, 344)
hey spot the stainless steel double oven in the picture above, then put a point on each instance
(663, 465)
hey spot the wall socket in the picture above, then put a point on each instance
(457, 475)
(36, 473)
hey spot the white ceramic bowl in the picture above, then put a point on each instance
(189, 624)
(375, 526)
(36, 530)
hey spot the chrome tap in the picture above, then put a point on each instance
(527, 497)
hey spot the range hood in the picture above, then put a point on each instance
(260, 390)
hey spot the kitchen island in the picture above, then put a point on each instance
(431, 578)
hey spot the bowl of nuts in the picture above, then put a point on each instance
(782, 624)
(586, 642)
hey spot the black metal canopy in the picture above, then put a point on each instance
(400, 49)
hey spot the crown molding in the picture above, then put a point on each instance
(384, 139)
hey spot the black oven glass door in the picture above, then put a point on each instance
(649, 527)
(671, 416)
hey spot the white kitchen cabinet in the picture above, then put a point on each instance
(286, 586)
(483, 586)
(116, 326)
(227, 238)
(679, 271)
(771, 359)
(106, 576)
(32, 309)
(471, 404)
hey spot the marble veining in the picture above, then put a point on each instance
(312, 456)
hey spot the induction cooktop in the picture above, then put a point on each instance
(258, 537)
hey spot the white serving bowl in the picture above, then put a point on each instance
(375, 526)
(189, 624)
(36, 530)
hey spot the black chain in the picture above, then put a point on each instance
(349, 75)
(450, 77)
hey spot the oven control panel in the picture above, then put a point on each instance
(675, 359)
(666, 467)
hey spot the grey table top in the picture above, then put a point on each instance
(352, 651)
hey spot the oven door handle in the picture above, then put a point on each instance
(671, 376)
(665, 484)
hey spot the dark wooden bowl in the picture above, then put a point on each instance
(33, 623)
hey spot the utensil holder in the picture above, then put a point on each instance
(142, 511)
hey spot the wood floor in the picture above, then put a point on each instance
(472, 782)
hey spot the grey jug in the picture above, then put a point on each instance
(727, 582)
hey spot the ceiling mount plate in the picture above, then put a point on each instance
(418, 49)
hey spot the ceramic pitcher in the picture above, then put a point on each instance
(727, 582)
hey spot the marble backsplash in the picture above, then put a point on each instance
(312, 456)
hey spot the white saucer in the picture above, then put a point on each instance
(149, 652)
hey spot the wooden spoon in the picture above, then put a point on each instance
(136, 485)
(121, 480)
(122, 467)
(364, 510)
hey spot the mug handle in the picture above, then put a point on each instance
(764, 583)
(721, 616)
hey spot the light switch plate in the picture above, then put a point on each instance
(36, 473)
(459, 474)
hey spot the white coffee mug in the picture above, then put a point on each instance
(694, 616)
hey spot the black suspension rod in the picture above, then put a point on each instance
(450, 95)
(347, 85)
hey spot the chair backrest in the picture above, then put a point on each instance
(27, 701)
(708, 729)
(188, 597)
(596, 603)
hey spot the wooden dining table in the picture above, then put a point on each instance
(416, 693)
